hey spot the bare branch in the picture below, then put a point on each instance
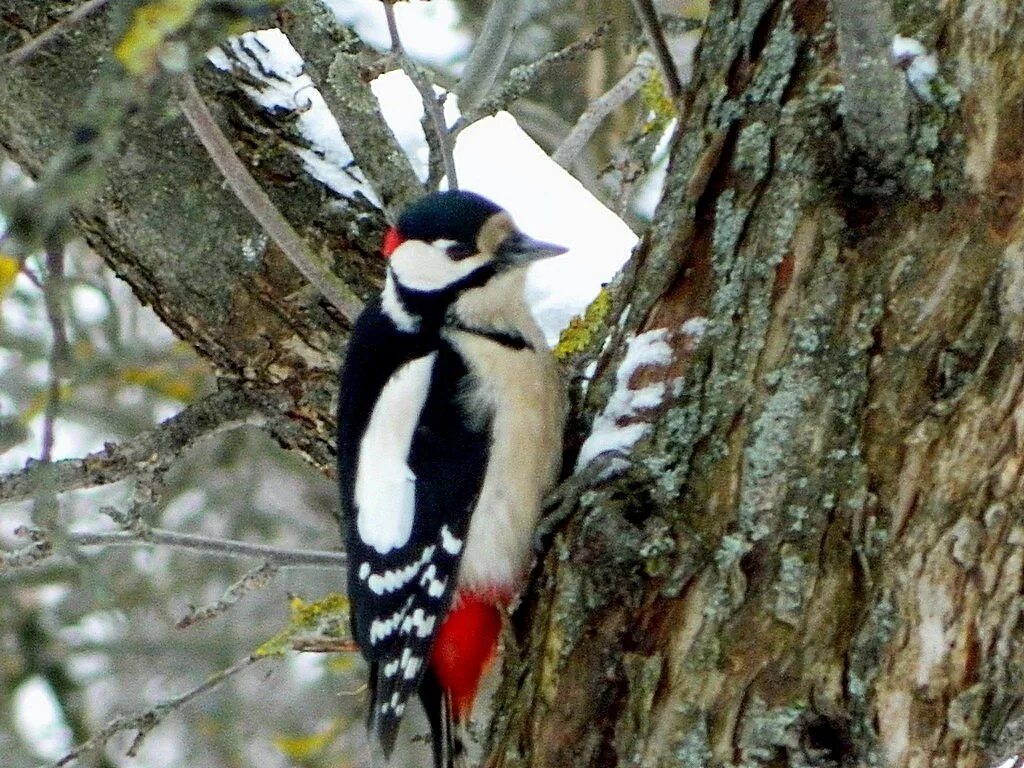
(522, 78)
(651, 26)
(276, 556)
(601, 108)
(257, 578)
(43, 548)
(159, 446)
(146, 721)
(259, 204)
(489, 53)
(433, 105)
(25, 52)
(324, 644)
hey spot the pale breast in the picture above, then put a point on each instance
(523, 391)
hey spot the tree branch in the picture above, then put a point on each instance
(651, 26)
(257, 578)
(259, 204)
(601, 108)
(146, 721)
(489, 53)
(26, 51)
(433, 109)
(522, 78)
(157, 447)
(331, 55)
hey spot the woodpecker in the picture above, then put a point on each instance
(450, 419)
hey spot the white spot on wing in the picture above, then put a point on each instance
(420, 622)
(385, 492)
(364, 570)
(389, 581)
(452, 544)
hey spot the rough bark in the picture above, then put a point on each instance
(816, 556)
(166, 223)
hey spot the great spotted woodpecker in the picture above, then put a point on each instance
(450, 420)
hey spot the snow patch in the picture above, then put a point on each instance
(920, 66)
(608, 435)
(270, 59)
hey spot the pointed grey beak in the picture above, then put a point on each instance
(519, 249)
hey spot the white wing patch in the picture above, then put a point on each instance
(385, 492)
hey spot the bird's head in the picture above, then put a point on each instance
(450, 241)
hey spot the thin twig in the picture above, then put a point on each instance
(24, 52)
(257, 578)
(42, 548)
(324, 644)
(601, 108)
(146, 721)
(524, 77)
(277, 556)
(651, 26)
(159, 446)
(489, 52)
(432, 104)
(259, 204)
(52, 299)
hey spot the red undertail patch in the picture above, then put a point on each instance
(465, 647)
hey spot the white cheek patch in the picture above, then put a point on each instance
(385, 492)
(422, 267)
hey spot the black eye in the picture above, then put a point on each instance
(459, 251)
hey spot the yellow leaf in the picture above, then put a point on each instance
(304, 747)
(9, 269)
(151, 25)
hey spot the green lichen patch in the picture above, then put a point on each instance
(583, 331)
(328, 616)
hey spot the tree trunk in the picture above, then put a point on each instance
(815, 556)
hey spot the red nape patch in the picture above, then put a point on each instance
(392, 239)
(465, 647)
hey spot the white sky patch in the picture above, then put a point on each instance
(402, 108)
(649, 348)
(429, 30)
(920, 66)
(38, 719)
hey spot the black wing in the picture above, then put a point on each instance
(400, 598)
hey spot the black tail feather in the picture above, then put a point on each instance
(438, 706)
